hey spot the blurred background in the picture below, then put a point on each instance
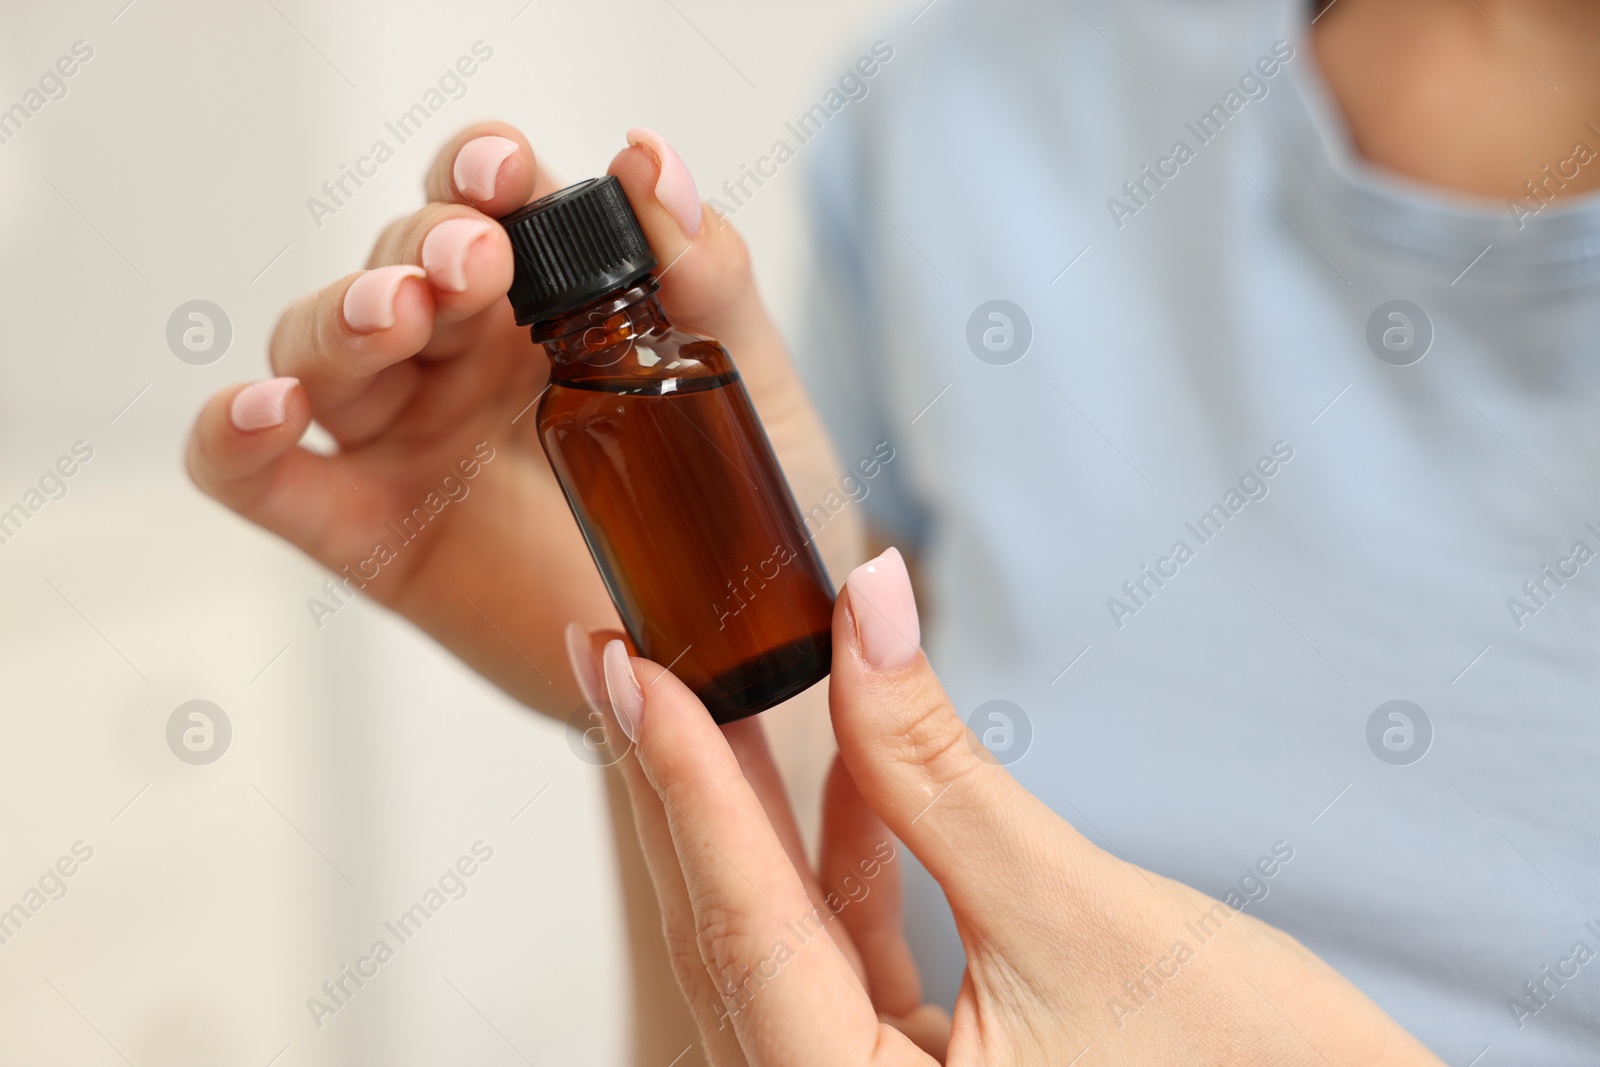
(351, 764)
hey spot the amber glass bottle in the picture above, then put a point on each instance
(671, 478)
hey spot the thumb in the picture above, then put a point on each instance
(708, 286)
(916, 763)
(707, 283)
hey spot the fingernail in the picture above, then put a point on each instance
(369, 302)
(885, 611)
(260, 406)
(478, 166)
(444, 252)
(674, 187)
(580, 657)
(626, 697)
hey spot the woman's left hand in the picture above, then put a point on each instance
(1073, 955)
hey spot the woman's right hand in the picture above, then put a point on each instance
(1074, 956)
(417, 369)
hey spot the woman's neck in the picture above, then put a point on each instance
(1473, 95)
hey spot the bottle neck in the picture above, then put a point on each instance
(601, 326)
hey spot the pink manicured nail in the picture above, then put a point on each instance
(885, 611)
(478, 166)
(626, 697)
(444, 251)
(674, 187)
(369, 302)
(260, 406)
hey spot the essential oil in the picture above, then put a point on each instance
(668, 472)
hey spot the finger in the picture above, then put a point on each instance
(340, 341)
(466, 255)
(441, 292)
(243, 452)
(441, 264)
(661, 859)
(705, 274)
(928, 1027)
(489, 166)
(912, 757)
(749, 744)
(860, 873)
(757, 932)
(707, 283)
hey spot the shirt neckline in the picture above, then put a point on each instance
(1562, 240)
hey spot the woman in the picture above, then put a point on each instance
(1371, 509)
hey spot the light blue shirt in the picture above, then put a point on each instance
(1215, 363)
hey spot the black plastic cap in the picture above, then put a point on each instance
(574, 246)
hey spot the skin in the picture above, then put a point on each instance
(1450, 92)
(1052, 925)
(1431, 90)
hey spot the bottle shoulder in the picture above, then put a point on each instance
(660, 355)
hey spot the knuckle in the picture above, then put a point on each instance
(282, 338)
(324, 331)
(389, 238)
(933, 737)
(683, 953)
(723, 937)
(735, 257)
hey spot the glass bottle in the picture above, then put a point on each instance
(671, 478)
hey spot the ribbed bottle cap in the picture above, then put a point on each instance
(572, 246)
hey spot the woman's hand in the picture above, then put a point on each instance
(1074, 957)
(439, 502)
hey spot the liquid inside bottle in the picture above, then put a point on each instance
(681, 500)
